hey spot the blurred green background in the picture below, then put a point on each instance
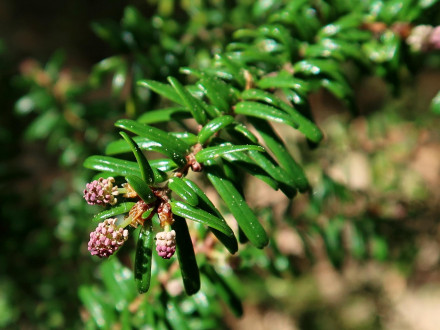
(361, 252)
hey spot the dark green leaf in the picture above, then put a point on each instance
(104, 175)
(435, 104)
(337, 89)
(186, 256)
(43, 125)
(159, 176)
(143, 259)
(266, 162)
(141, 188)
(213, 127)
(217, 92)
(162, 89)
(147, 213)
(177, 318)
(233, 68)
(154, 134)
(188, 138)
(195, 91)
(355, 35)
(55, 63)
(284, 81)
(125, 319)
(103, 67)
(191, 71)
(204, 202)
(193, 104)
(379, 248)
(174, 147)
(248, 164)
(296, 99)
(230, 242)
(305, 126)
(260, 95)
(179, 187)
(316, 67)
(242, 238)
(189, 212)
(163, 165)
(242, 129)
(134, 21)
(276, 145)
(223, 289)
(119, 282)
(332, 235)
(120, 209)
(245, 33)
(349, 21)
(211, 110)
(217, 151)
(220, 72)
(254, 55)
(231, 174)
(115, 166)
(279, 33)
(95, 303)
(327, 48)
(254, 109)
(239, 208)
(145, 168)
(119, 78)
(164, 115)
(108, 31)
(357, 242)
(121, 146)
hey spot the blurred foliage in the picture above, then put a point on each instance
(268, 61)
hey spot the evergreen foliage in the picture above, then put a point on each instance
(205, 102)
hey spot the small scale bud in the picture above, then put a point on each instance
(196, 167)
(107, 238)
(165, 214)
(191, 158)
(101, 191)
(136, 212)
(166, 244)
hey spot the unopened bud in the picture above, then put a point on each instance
(166, 244)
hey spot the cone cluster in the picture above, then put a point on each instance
(166, 244)
(107, 239)
(101, 191)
